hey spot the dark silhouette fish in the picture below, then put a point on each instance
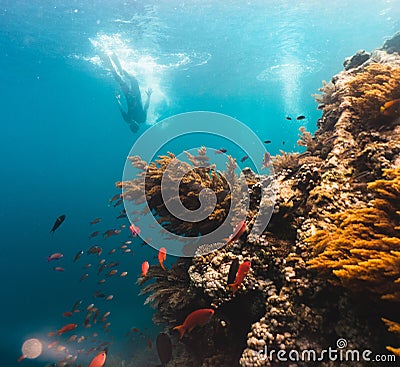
(58, 223)
(233, 271)
(288, 118)
(78, 255)
(267, 141)
(164, 348)
(301, 117)
(220, 151)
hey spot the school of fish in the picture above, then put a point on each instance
(85, 315)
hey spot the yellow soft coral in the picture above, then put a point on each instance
(361, 251)
(393, 327)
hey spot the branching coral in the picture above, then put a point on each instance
(369, 90)
(306, 139)
(285, 161)
(168, 290)
(327, 98)
(160, 179)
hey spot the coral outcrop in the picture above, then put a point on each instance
(193, 178)
(327, 268)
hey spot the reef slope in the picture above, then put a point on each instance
(327, 269)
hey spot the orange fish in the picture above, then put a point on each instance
(145, 268)
(197, 318)
(238, 231)
(52, 344)
(391, 108)
(99, 360)
(67, 328)
(241, 274)
(55, 256)
(135, 230)
(162, 256)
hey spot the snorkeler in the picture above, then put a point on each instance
(136, 113)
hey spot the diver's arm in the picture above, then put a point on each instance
(147, 104)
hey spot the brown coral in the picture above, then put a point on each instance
(167, 290)
(362, 247)
(160, 179)
(361, 250)
(371, 89)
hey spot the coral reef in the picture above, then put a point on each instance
(361, 247)
(331, 247)
(192, 179)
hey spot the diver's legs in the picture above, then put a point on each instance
(116, 62)
(123, 113)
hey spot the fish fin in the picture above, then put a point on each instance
(163, 266)
(233, 287)
(181, 330)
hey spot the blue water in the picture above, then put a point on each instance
(64, 143)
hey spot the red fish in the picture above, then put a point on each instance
(391, 108)
(145, 268)
(99, 360)
(238, 231)
(67, 328)
(135, 230)
(58, 268)
(52, 344)
(241, 274)
(197, 318)
(95, 250)
(94, 234)
(55, 256)
(67, 314)
(162, 256)
(111, 232)
(95, 221)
